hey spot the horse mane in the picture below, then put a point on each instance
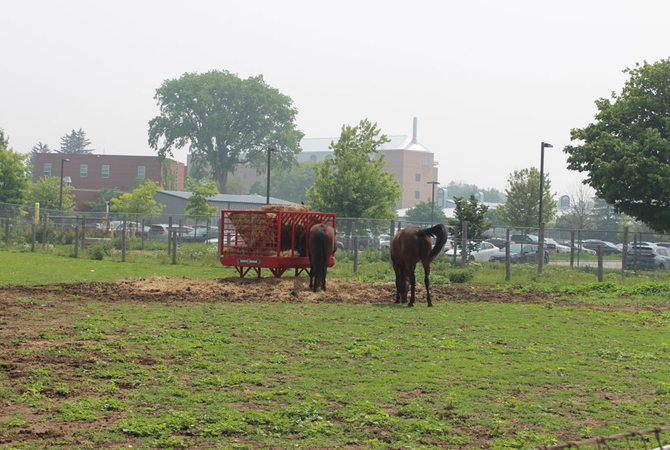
(439, 232)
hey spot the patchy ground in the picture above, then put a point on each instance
(53, 305)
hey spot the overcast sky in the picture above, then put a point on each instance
(487, 80)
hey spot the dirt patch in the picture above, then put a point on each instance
(287, 290)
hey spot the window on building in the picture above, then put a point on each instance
(417, 194)
(141, 172)
(426, 160)
(418, 177)
(105, 171)
(83, 170)
(47, 169)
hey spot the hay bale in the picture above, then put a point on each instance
(296, 208)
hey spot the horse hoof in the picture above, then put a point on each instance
(430, 305)
(409, 305)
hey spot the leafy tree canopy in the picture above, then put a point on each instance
(288, 183)
(197, 202)
(46, 192)
(522, 206)
(104, 195)
(475, 214)
(139, 201)
(75, 142)
(14, 178)
(353, 183)
(225, 121)
(421, 212)
(626, 152)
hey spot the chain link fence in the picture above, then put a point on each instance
(36, 228)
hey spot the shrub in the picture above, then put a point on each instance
(97, 251)
(460, 275)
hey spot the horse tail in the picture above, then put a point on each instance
(318, 249)
(439, 232)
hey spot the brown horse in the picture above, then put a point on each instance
(322, 244)
(410, 246)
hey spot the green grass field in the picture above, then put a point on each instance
(220, 375)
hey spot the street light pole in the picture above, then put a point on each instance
(267, 200)
(60, 202)
(542, 147)
(432, 205)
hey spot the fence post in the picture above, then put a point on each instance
(572, 249)
(83, 232)
(76, 239)
(169, 231)
(44, 231)
(600, 264)
(123, 239)
(635, 252)
(34, 236)
(174, 246)
(508, 266)
(579, 245)
(464, 244)
(624, 252)
(354, 242)
(142, 233)
(540, 250)
(392, 229)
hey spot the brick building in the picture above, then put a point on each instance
(88, 173)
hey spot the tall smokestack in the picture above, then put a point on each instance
(414, 132)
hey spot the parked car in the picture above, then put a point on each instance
(554, 247)
(384, 241)
(524, 239)
(608, 247)
(160, 232)
(118, 228)
(483, 252)
(520, 253)
(648, 256)
(663, 244)
(497, 241)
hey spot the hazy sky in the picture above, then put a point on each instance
(487, 80)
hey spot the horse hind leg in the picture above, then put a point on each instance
(426, 281)
(412, 283)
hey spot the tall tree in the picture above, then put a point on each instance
(14, 178)
(46, 192)
(140, 201)
(353, 183)
(422, 212)
(197, 203)
(522, 206)
(475, 214)
(37, 148)
(626, 151)
(75, 142)
(104, 195)
(225, 121)
(288, 183)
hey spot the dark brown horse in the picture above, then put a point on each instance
(408, 247)
(322, 244)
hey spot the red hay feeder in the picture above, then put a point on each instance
(276, 240)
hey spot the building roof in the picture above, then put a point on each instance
(399, 142)
(232, 198)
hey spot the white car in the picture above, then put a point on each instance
(483, 252)
(384, 241)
